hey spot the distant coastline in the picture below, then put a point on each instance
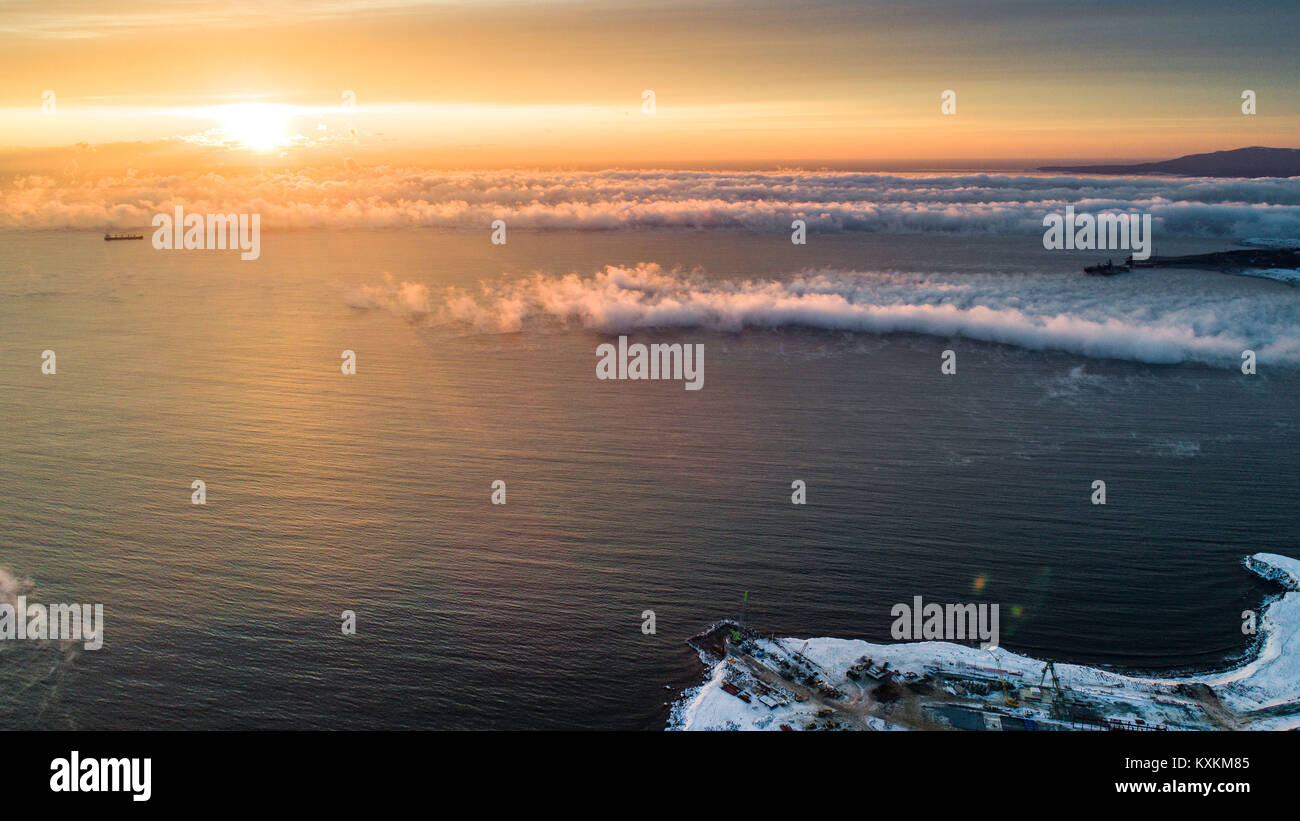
(1255, 161)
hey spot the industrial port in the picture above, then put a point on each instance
(768, 683)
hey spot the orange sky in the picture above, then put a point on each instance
(517, 83)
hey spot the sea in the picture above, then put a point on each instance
(636, 513)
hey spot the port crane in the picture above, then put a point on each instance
(800, 656)
(1007, 698)
(1058, 694)
(744, 613)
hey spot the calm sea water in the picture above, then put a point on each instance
(371, 492)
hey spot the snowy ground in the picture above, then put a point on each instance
(1261, 694)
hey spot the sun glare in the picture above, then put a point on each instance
(259, 126)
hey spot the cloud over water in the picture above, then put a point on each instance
(385, 197)
(1143, 320)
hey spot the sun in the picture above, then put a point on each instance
(259, 126)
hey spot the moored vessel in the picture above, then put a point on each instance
(1107, 268)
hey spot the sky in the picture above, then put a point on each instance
(563, 83)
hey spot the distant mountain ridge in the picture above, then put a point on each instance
(1255, 161)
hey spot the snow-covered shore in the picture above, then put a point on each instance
(1261, 694)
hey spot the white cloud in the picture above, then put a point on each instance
(609, 200)
(1144, 319)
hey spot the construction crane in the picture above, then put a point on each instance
(1058, 694)
(1007, 698)
(744, 612)
(800, 657)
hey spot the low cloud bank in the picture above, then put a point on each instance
(1136, 320)
(386, 197)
